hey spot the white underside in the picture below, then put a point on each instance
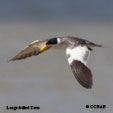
(77, 53)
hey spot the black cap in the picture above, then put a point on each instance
(52, 41)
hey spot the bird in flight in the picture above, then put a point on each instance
(77, 52)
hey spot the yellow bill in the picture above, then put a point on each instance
(44, 48)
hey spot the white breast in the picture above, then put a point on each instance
(80, 53)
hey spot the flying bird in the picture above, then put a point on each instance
(77, 52)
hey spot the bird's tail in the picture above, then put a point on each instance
(98, 45)
(91, 44)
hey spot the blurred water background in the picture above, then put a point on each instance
(47, 80)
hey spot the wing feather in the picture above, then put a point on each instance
(30, 50)
(77, 58)
(82, 73)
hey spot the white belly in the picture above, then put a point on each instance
(80, 53)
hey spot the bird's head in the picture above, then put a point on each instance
(54, 41)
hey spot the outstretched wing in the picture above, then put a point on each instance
(34, 48)
(77, 58)
(82, 73)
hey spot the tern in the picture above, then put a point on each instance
(77, 52)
